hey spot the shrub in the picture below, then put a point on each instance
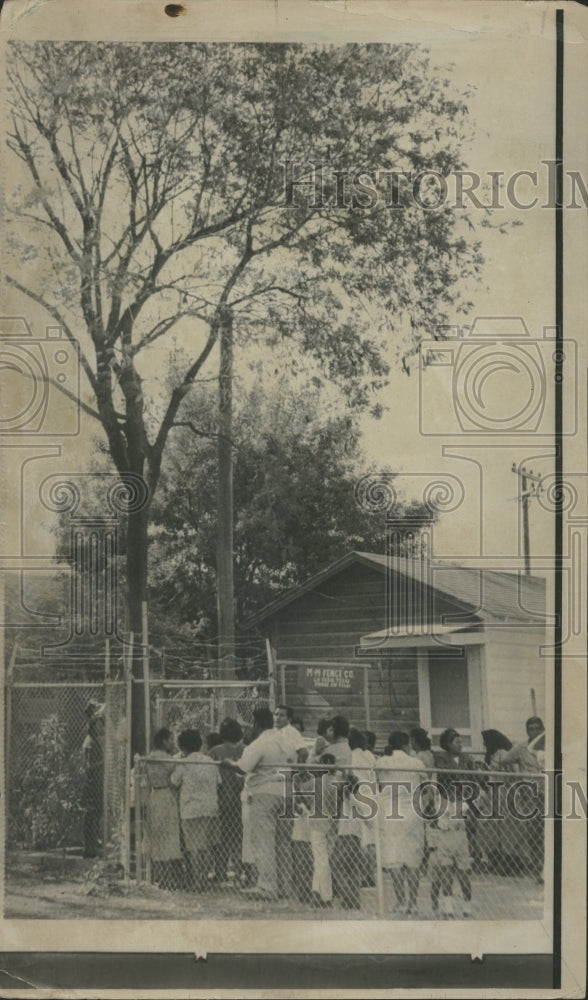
(46, 799)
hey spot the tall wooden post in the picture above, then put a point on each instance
(366, 696)
(107, 750)
(126, 831)
(529, 487)
(224, 549)
(8, 733)
(146, 678)
(271, 673)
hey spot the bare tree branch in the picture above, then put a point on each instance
(62, 322)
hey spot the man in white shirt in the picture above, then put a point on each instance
(269, 832)
(293, 741)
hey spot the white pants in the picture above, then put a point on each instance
(322, 839)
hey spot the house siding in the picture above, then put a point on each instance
(326, 624)
(514, 666)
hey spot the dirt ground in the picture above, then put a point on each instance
(55, 886)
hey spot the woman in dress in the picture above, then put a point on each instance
(529, 757)
(163, 817)
(451, 757)
(496, 836)
(420, 744)
(401, 825)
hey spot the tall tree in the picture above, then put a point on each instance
(296, 466)
(152, 199)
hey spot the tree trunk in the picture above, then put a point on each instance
(224, 549)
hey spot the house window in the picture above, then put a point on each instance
(450, 693)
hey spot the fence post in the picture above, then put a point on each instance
(106, 755)
(145, 792)
(138, 822)
(126, 832)
(146, 678)
(379, 875)
(366, 696)
(271, 673)
(8, 734)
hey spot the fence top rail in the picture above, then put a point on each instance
(319, 663)
(58, 684)
(317, 766)
(212, 683)
(154, 681)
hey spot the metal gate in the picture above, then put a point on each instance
(203, 705)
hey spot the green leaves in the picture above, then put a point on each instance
(296, 463)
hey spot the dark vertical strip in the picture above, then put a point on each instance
(559, 291)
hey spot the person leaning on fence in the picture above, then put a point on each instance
(370, 743)
(401, 826)
(420, 744)
(266, 830)
(529, 757)
(496, 838)
(163, 818)
(213, 740)
(198, 778)
(450, 856)
(322, 822)
(452, 757)
(363, 762)
(321, 744)
(93, 787)
(348, 863)
(290, 728)
(230, 843)
(295, 748)
(338, 737)
(302, 863)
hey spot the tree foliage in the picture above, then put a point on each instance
(46, 805)
(296, 465)
(151, 200)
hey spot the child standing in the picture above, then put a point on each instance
(450, 856)
(301, 849)
(323, 831)
(197, 778)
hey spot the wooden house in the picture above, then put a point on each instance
(401, 642)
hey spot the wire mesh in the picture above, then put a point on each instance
(65, 767)
(116, 762)
(455, 846)
(48, 783)
(203, 709)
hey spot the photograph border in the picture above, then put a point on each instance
(220, 971)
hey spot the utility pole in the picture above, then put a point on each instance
(224, 551)
(529, 487)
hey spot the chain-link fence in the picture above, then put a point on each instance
(68, 756)
(373, 842)
(197, 706)
(65, 765)
(116, 764)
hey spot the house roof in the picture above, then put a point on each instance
(490, 593)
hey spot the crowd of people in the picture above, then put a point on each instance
(278, 816)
